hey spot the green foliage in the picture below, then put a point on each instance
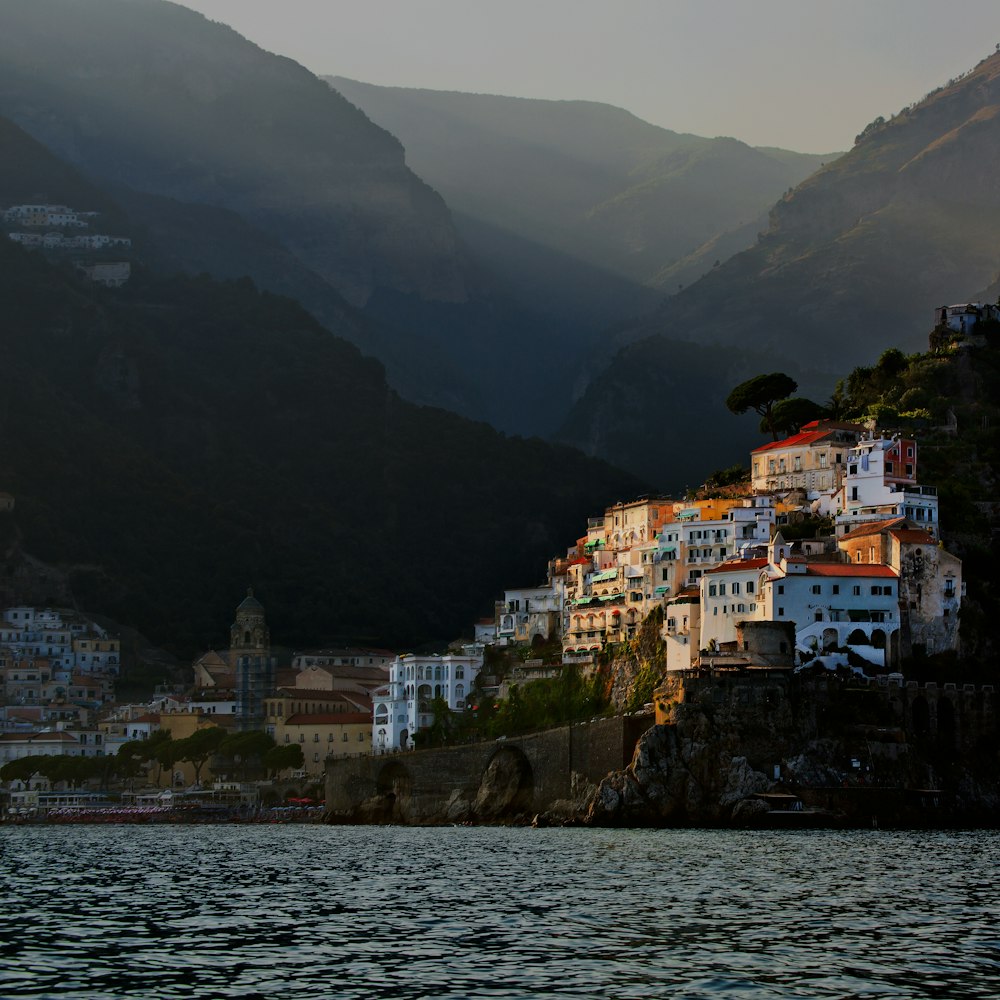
(788, 415)
(282, 758)
(546, 703)
(759, 394)
(198, 747)
(730, 476)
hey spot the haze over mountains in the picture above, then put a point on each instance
(855, 260)
(586, 180)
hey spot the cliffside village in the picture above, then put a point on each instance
(59, 228)
(734, 582)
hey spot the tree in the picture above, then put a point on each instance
(198, 747)
(282, 758)
(759, 394)
(246, 748)
(788, 415)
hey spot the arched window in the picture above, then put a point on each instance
(459, 673)
(459, 690)
(437, 672)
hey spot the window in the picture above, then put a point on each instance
(315, 737)
(781, 612)
(361, 737)
(722, 590)
(835, 588)
(288, 738)
(781, 588)
(857, 590)
(909, 469)
(750, 587)
(343, 737)
(817, 589)
(712, 590)
(302, 737)
(888, 468)
(852, 470)
(736, 588)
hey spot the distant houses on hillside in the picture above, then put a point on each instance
(62, 225)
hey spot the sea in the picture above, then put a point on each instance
(361, 912)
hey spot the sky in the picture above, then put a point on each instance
(806, 75)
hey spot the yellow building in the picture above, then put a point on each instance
(328, 734)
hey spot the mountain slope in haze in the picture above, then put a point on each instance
(855, 258)
(170, 442)
(151, 95)
(585, 179)
(238, 161)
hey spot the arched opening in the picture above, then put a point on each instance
(393, 786)
(831, 639)
(507, 786)
(858, 638)
(878, 638)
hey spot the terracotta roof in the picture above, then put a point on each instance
(337, 719)
(917, 535)
(148, 717)
(800, 440)
(736, 567)
(317, 694)
(872, 528)
(850, 569)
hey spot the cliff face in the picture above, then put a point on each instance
(150, 95)
(856, 754)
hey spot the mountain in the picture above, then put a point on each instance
(153, 96)
(855, 259)
(172, 441)
(237, 161)
(586, 180)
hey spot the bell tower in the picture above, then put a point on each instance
(249, 632)
(250, 653)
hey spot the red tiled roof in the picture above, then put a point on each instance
(736, 567)
(917, 535)
(850, 569)
(873, 528)
(799, 440)
(337, 719)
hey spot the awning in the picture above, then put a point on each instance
(591, 542)
(661, 590)
(610, 597)
(669, 548)
(608, 574)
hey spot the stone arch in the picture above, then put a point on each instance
(878, 638)
(831, 638)
(507, 785)
(858, 638)
(393, 787)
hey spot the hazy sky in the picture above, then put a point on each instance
(803, 74)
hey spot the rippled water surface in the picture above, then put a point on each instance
(265, 911)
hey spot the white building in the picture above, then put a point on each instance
(526, 613)
(881, 483)
(405, 706)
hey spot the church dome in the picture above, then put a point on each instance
(250, 603)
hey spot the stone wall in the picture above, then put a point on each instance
(504, 780)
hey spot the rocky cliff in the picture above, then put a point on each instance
(729, 746)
